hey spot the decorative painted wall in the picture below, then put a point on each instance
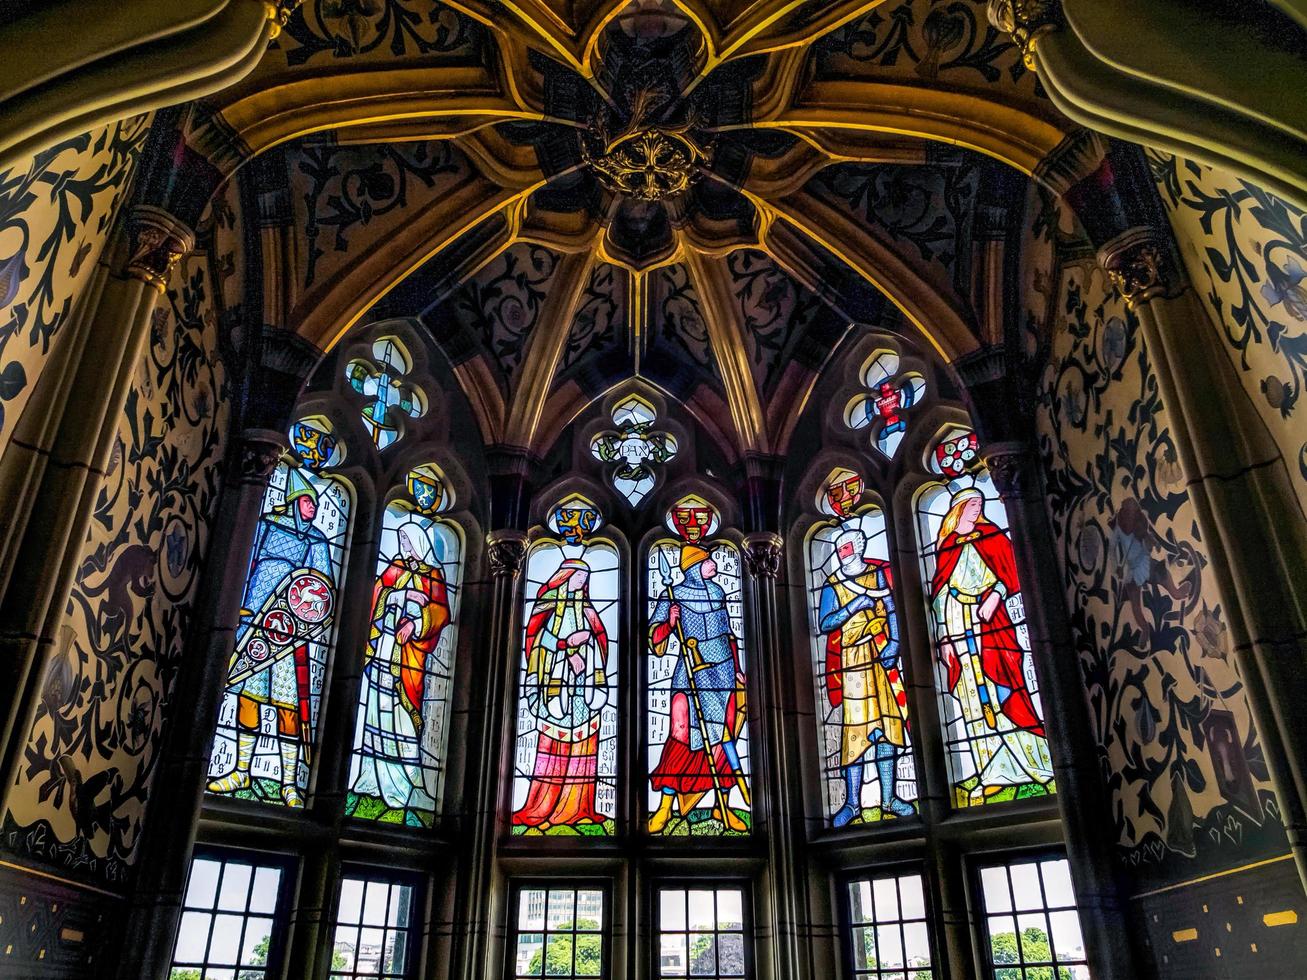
(56, 213)
(1190, 791)
(85, 774)
(1246, 253)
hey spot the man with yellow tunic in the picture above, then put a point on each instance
(863, 680)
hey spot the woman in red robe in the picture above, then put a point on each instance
(566, 688)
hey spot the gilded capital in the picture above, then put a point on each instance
(1026, 21)
(1139, 266)
(762, 554)
(505, 550)
(157, 241)
(279, 12)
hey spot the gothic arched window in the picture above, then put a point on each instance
(565, 757)
(989, 696)
(862, 704)
(398, 762)
(268, 720)
(698, 741)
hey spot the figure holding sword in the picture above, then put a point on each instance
(707, 695)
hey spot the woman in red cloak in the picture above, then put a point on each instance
(975, 574)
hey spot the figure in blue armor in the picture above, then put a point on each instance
(708, 715)
(285, 542)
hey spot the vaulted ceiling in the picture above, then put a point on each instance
(706, 195)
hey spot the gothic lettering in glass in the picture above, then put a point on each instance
(636, 448)
(863, 729)
(698, 739)
(263, 744)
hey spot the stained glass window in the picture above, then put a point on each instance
(560, 932)
(989, 695)
(565, 758)
(885, 407)
(391, 397)
(698, 739)
(400, 734)
(635, 447)
(701, 933)
(374, 929)
(1031, 921)
(862, 713)
(228, 920)
(887, 928)
(269, 713)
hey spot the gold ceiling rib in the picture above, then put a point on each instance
(712, 282)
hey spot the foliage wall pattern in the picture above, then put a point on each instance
(1246, 253)
(56, 213)
(1189, 786)
(85, 773)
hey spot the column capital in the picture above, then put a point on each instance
(1139, 264)
(260, 450)
(1013, 466)
(505, 548)
(157, 240)
(762, 554)
(279, 12)
(1026, 21)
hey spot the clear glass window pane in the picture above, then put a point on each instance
(888, 932)
(560, 933)
(374, 929)
(1043, 937)
(228, 921)
(701, 933)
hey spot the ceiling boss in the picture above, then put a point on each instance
(650, 165)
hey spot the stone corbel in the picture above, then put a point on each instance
(505, 550)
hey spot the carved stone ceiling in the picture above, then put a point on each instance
(703, 194)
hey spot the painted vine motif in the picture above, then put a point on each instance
(55, 216)
(379, 28)
(599, 322)
(341, 190)
(681, 323)
(503, 302)
(85, 774)
(949, 40)
(1246, 253)
(925, 209)
(1180, 757)
(773, 309)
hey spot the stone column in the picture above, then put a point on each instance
(51, 480)
(1081, 796)
(780, 809)
(178, 789)
(505, 552)
(1251, 522)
